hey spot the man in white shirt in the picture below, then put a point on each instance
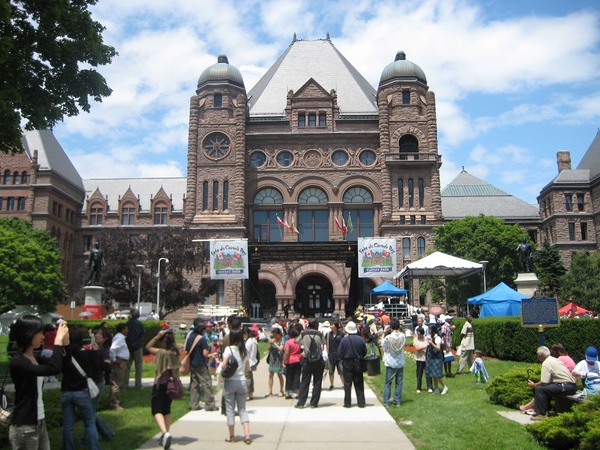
(119, 355)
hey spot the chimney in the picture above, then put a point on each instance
(563, 160)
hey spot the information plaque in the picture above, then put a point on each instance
(536, 311)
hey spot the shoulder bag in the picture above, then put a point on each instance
(185, 368)
(174, 386)
(231, 367)
(94, 391)
(7, 403)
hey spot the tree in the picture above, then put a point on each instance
(30, 270)
(481, 238)
(549, 268)
(47, 54)
(122, 252)
(580, 283)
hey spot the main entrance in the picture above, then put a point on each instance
(314, 297)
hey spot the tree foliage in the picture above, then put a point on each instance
(30, 271)
(549, 269)
(481, 238)
(187, 261)
(48, 51)
(580, 283)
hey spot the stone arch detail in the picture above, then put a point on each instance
(409, 129)
(339, 285)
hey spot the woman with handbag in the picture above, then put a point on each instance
(28, 428)
(234, 387)
(76, 393)
(275, 360)
(167, 366)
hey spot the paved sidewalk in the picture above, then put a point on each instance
(276, 425)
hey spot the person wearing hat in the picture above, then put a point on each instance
(589, 366)
(352, 351)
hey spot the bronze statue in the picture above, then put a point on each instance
(95, 263)
(524, 250)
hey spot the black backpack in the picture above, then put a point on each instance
(314, 349)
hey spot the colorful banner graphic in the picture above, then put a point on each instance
(228, 259)
(376, 257)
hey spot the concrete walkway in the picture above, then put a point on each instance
(276, 425)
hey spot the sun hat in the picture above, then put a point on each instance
(351, 328)
(591, 354)
(326, 324)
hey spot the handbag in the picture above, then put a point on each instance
(592, 385)
(7, 403)
(174, 386)
(230, 368)
(94, 391)
(185, 366)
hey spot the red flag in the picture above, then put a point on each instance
(281, 222)
(344, 227)
(339, 225)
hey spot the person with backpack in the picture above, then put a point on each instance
(313, 364)
(352, 351)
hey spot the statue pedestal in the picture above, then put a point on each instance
(93, 295)
(527, 283)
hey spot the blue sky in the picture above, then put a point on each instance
(515, 81)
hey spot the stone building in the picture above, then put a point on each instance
(310, 143)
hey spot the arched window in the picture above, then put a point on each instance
(358, 213)
(400, 193)
(24, 178)
(406, 248)
(265, 226)
(225, 195)
(420, 247)
(421, 187)
(128, 214)
(215, 193)
(411, 193)
(313, 222)
(16, 178)
(205, 195)
(409, 144)
(7, 177)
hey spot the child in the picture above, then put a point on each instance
(478, 368)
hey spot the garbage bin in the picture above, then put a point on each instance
(373, 365)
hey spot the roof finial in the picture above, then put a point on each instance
(463, 168)
(400, 56)
(294, 39)
(328, 38)
(222, 59)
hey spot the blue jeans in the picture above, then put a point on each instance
(101, 425)
(392, 374)
(82, 400)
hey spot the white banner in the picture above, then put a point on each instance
(376, 257)
(228, 259)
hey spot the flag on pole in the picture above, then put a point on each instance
(350, 225)
(281, 222)
(339, 225)
(344, 227)
(294, 229)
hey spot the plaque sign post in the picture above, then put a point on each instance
(539, 312)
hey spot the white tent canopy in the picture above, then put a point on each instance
(439, 264)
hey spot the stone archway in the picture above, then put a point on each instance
(314, 296)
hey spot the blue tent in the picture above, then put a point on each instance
(387, 288)
(498, 301)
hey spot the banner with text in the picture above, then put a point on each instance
(228, 260)
(376, 257)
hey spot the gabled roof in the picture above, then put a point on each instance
(469, 196)
(143, 188)
(591, 159)
(321, 61)
(51, 155)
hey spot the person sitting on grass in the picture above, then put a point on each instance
(478, 368)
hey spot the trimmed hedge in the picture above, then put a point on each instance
(511, 389)
(152, 327)
(504, 337)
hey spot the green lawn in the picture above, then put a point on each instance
(462, 419)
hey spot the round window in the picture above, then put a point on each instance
(258, 159)
(367, 157)
(339, 158)
(216, 145)
(285, 159)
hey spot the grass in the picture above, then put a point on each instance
(462, 419)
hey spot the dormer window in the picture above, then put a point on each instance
(322, 119)
(301, 120)
(406, 97)
(218, 100)
(312, 120)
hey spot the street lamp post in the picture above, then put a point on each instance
(140, 268)
(166, 260)
(484, 264)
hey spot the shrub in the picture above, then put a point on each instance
(511, 389)
(579, 428)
